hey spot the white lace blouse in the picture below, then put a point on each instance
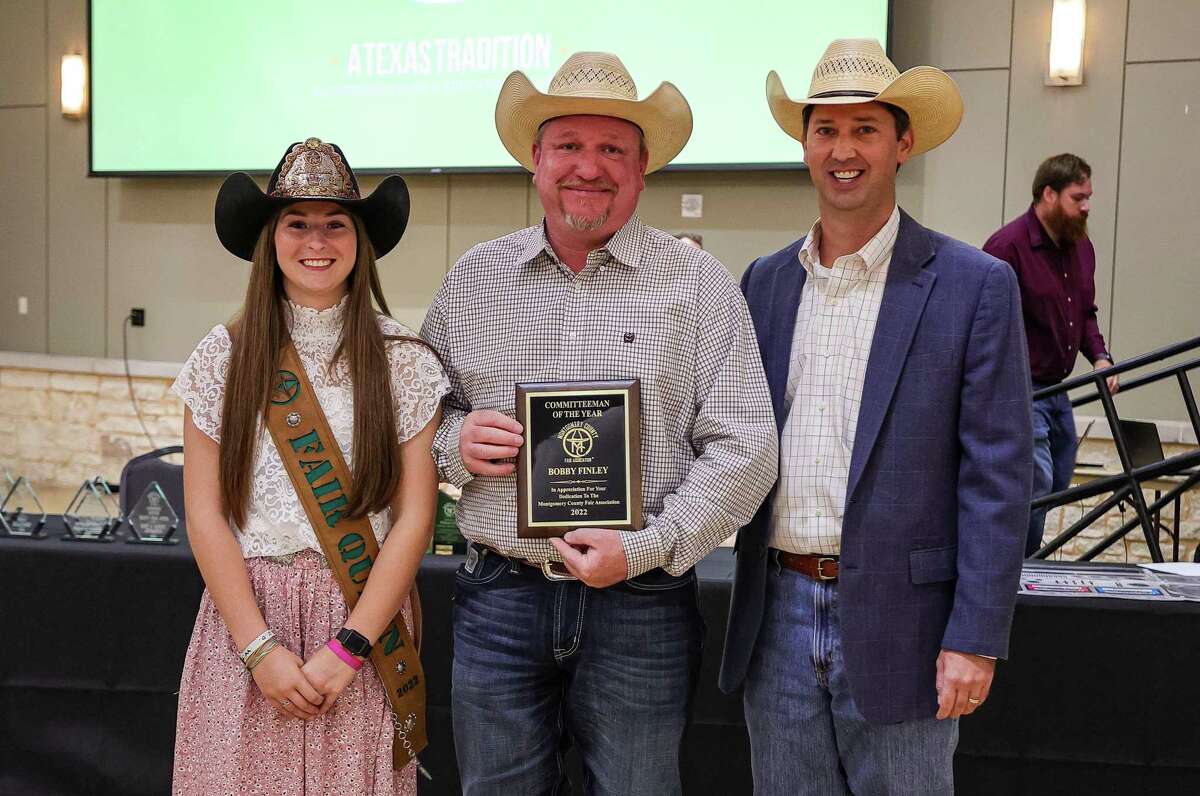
(275, 521)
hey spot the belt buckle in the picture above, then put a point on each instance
(556, 574)
(821, 572)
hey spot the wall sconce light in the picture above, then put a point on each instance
(74, 86)
(1067, 24)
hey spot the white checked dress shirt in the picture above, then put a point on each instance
(835, 324)
(645, 306)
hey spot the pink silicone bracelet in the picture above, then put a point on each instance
(344, 654)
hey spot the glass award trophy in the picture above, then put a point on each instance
(90, 517)
(447, 540)
(21, 512)
(110, 500)
(152, 519)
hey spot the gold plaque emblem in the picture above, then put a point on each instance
(577, 439)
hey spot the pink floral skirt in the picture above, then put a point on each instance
(231, 740)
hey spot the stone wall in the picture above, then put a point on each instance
(60, 428)
(1133, 546)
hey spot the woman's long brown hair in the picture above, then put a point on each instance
(260, 331)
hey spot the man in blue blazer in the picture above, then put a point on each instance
(875, 587)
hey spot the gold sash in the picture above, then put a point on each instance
(321, 478)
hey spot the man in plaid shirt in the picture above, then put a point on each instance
(606, 657)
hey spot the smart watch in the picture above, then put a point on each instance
(354, 642)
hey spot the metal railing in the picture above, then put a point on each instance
(1126, 486)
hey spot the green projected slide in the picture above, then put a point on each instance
(221, 85)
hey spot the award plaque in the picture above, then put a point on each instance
(580, 463)
(152, 519)
(90, 516)
(21, 512)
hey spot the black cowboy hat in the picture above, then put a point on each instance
(310, 170)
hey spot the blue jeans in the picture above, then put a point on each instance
(1054, 445)
(806, 735)
(539, 664)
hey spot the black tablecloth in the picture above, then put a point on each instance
(1100, 695)
(93, 638)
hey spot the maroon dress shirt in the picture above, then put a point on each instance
(1058, 296)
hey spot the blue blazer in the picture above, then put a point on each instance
(937, 503)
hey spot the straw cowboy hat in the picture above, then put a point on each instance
(857, 70)
(595, 84)
(310, 170)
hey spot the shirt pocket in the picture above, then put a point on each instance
(650, 340)
(489, 370)
(1043, 294)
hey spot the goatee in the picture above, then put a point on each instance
(584, 223)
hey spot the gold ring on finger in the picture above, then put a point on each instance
(973, 700)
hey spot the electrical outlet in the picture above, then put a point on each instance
(137, 316)
(22, 305)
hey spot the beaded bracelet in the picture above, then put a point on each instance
(261, 653)
(252, 648)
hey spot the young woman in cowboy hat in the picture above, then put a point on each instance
(274, 697)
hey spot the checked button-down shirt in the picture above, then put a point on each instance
(831, 343)
(645, 306)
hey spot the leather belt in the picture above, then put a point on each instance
(552, 570)
(811, 565)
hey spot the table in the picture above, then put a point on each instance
(1099, 697)
(94, 637)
